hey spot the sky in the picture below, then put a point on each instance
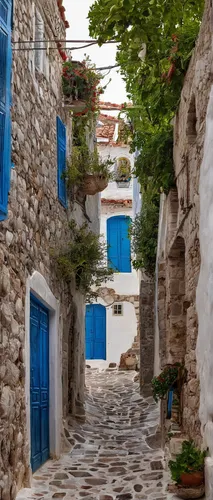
(76, 14)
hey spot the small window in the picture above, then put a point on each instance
(117, 309)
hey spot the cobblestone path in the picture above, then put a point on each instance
(114, 455)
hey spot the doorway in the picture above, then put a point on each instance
(39, 383)
(95, 332)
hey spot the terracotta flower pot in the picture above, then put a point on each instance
(192, 479)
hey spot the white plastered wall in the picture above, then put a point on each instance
(123, 283)
(120, 331)
(37, 286)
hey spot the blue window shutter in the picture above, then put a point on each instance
(61, 161)
(119, 248)
(5, 96)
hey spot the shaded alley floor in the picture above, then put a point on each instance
(115, 455)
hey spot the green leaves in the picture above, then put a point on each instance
(169, 28)
(190, 460)
(144, 230)
(164, 382)
(84, 259)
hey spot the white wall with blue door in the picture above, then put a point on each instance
(120, 325)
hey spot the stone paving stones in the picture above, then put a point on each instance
(116, 453)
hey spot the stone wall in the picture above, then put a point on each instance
(146, 307)
(36, 224)
(179, 261)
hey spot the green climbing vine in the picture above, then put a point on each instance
(155, 40)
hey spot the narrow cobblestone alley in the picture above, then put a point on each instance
(113, 455)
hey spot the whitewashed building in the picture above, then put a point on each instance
(112, 322)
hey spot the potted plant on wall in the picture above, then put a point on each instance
(80, 85)
(187, 471)
(162, 384)
(123, 172)
(87, 170)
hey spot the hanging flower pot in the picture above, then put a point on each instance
(79, 84)
(93, 184)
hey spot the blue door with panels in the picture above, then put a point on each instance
(95, 332)
(118, 241)
(39, 383)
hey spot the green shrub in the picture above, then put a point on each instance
(164, 381)
(84, 259)
(144, 234)
(83, 161)
(191, 459)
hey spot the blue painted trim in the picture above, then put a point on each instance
(169, 403)
(61, 148)
(5, 111)
(38, 302)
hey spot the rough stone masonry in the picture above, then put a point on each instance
(36, 223)
(179, 253)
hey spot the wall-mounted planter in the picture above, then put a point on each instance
(187, 493)
(123, 184)
(93, 184)
(76, 106)
(80, 86)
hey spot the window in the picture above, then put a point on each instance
(61, 161)
(117, 309)
(118, 242)
(40, 55)
(5, 95)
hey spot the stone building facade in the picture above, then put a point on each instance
(178, 261)
(36, 224)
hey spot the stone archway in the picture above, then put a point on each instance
(176, 304)
(109, 296)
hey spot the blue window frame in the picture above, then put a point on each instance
(61, 161)
(118, 241)
(5, 98)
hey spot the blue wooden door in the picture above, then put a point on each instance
(39, 383)
(95, 332)
(118, 241)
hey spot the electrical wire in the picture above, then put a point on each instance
(63, 41)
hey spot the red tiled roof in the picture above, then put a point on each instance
(106, 201)
(105, 132)
(109, 118)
